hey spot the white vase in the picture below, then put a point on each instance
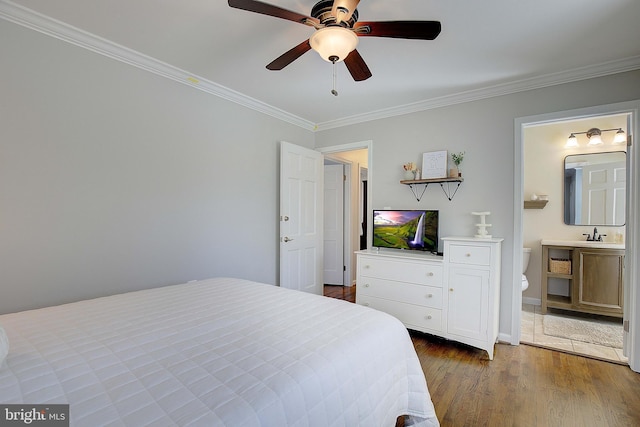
(408, 175)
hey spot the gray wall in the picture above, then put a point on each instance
(485, 131)
(114, 179)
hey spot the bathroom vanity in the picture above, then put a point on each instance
(583, 276)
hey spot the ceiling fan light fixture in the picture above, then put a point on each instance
(333, 41)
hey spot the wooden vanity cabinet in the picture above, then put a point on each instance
(594, 284)
(599, 284)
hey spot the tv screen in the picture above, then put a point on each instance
(406, 229)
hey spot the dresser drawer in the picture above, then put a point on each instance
(469, 254)
(401, 271)
(428, 296)
(413, 316)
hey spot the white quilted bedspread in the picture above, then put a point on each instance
(219, 352)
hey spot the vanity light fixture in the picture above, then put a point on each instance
(595, 137)
(620, 137)
(572, 141)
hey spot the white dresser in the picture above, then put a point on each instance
(407, 286)
(456, 296)
(472, 278)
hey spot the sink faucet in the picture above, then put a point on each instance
(596, 237)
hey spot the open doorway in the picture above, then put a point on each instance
(560, 309)
(627, 113)
(355, 161)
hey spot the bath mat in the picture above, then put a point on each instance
(586, 330)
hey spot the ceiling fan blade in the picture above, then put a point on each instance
(357, 67)
(420, 30)
(288, 57)
(343, 9)
(271, 10)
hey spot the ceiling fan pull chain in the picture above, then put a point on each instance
(334, 92)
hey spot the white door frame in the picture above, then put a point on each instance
(368, 145)
(632, 242)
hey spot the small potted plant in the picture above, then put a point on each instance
(457, 159)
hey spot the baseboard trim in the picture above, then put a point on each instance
(532, 301)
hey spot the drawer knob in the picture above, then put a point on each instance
(468, 255)
(366, 304)
(366, 266)
(450, 289)
(430, 274)
(366, 285)
(428, 317)
(429, 295)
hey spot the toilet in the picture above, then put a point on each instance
(526, 253)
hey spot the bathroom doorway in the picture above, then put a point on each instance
(545, 152)
(553, 130)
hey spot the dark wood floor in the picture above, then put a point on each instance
(523, 385)
(347, 293)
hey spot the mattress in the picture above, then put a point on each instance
(217, 352)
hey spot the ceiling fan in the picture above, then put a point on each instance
(337, 32)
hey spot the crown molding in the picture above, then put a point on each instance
(46, 25)
(577, 74)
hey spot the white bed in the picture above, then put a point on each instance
(218, 352)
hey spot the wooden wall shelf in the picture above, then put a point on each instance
(535, 204)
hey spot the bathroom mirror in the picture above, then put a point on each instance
(594, 189)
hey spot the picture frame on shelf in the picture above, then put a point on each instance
(434, 164)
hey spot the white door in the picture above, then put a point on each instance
(603, 195)
(301, 207)
(333, 225)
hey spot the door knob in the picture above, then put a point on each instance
(284, 218)
(286, 239)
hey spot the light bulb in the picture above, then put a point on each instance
(594, 136)
(595, 140)
(620, 137)
(572, 141)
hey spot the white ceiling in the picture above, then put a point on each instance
(485, 48)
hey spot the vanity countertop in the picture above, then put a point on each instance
(582, 244)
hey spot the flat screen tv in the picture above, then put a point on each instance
(406, 229)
